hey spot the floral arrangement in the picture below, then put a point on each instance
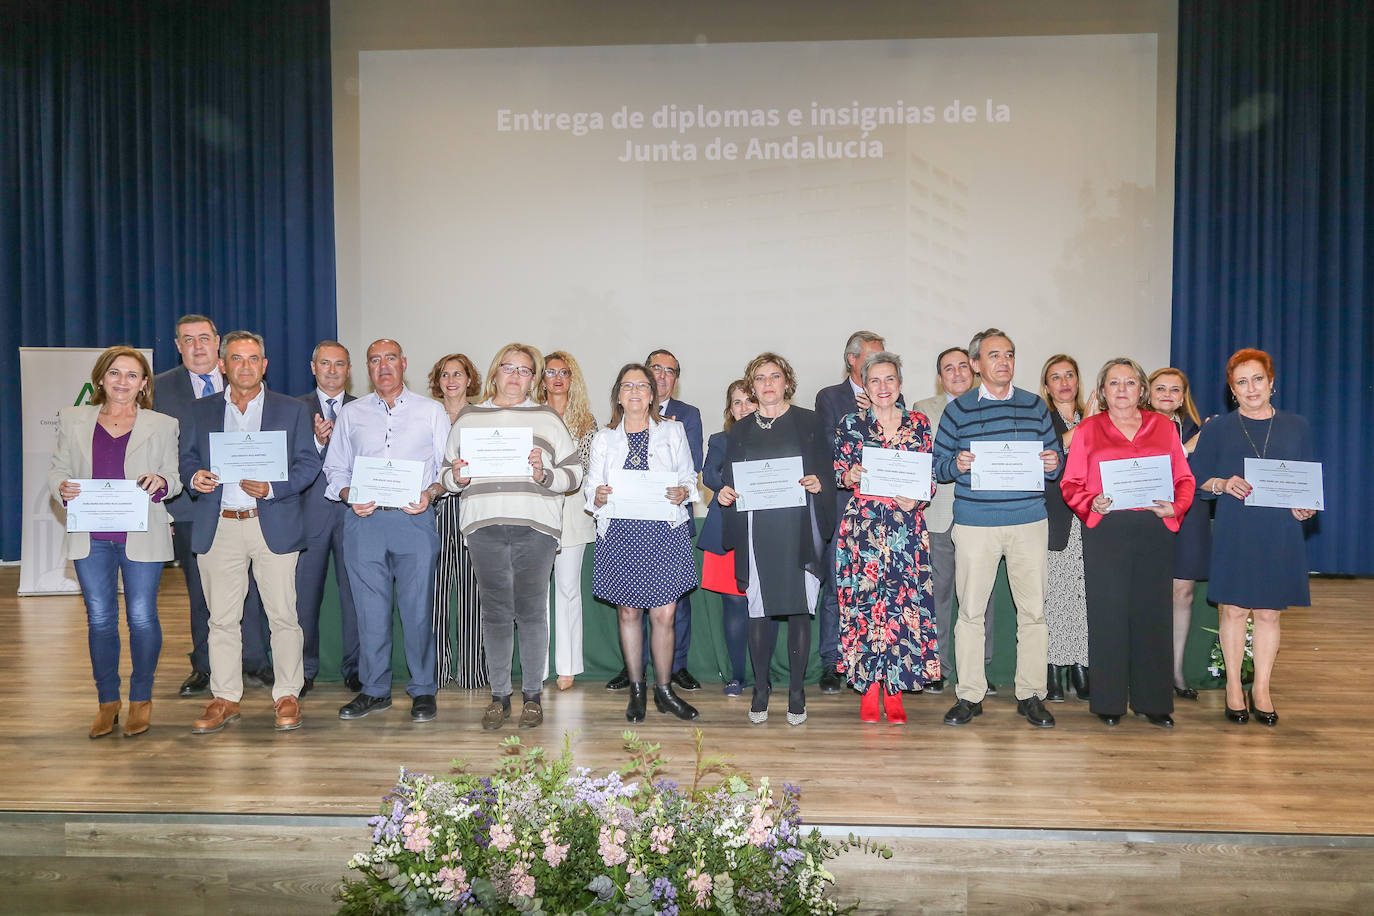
(1216, 663)
(543, 836)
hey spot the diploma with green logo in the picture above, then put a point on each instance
(770, 483)
(496, 451)
(393, 482)
(1135, 483)
(895, 472)
(1013, 464)
(248, 456)
(108, 505)
(1283, 484)
(641, 494)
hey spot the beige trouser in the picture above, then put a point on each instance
(977, 554)
(224, 571)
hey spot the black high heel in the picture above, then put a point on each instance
(667, 701)
(1186, 693)
(1270, 718)
(634, 711)
(1238, 716)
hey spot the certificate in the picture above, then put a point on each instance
(496, 451)
(108, 505)
(393, 482)
(1007, 465)
(895, 472)
(641, 494)
(248, 456)
(770, 483)
(1135, 483)
(1284, 484)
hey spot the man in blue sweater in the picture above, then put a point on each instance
(991, 523)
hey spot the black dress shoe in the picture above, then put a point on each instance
(423, 708)
(962, 712)
(1186, 693)
(1270, 718)
(353, 683)
(1054, 683)
(1110, 720)
(1078, 677)
(197, 683)
(1238, 716)
(1035, 712)
(634, 710)
(306, 686)
(684, 680)
(262, 677)
(830, 682)
(363, 704)
(936, 686)
(1161, 721)
(620, 681)
(667, 701)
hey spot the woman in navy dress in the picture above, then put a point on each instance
(1259, 557)
(1170, 396)
(643, 564)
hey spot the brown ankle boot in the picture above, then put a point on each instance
(140, 716)
(105, 719)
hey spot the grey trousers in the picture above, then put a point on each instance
(942, 577)
(513, 565)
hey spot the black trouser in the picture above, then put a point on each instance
(1128, 560)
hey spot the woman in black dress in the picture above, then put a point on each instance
(1259, 557)
(780, 554)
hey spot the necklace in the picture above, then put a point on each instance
(758, 418)
(1070, 422)
(1244, 429)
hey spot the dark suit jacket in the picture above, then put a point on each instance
(1056, 510)
(173, 395)
(321, 514)
(280, 516)
(712, 474)
(690, 418)
(832, 404)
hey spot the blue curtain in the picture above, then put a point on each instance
(160, 158)
(1272, 226)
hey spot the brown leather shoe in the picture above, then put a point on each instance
(495, 715)
(105, 719)
(140, 717)
(288, 713)
(532, 715)
(218, 714)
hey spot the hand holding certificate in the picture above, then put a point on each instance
(259, 456)
(496, 451)
(390, 482)
(1007, 465)
(770, 483)
(108, 505)
(894, 472)
(1282, 484)
(641, 494)
(1135, 483)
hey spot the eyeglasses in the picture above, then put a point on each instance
(513, 369)
(634, 386)
(666, 370)
(556, 373)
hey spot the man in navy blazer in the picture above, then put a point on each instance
(832, 404)
(666, 370)
(174, 391)
(324, 520)
(249, 524)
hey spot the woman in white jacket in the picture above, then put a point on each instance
(643, 557)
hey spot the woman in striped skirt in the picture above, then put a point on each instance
(459, 657)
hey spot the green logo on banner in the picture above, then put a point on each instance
(84, 396)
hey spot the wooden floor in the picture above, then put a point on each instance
(1309, 776)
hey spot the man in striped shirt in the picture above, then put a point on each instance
(991, 524)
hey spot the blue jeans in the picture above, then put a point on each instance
(98, 574)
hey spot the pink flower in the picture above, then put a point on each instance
(554, 853)
(757, 832)
(611, 846)
(660, 839)
(502, 836)
(414, 828)
(453, 881)
(871, 570)
(522, 882)
(700, 885)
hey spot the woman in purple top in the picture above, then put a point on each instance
(119, 437)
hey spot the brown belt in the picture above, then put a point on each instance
(238, 513)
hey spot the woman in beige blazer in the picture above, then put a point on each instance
(119, 437)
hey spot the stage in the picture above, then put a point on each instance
(993, 817)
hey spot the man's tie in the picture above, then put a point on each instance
(329, 413)
(209, 385)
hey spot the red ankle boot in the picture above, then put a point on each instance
(892, 704)
(868, 706)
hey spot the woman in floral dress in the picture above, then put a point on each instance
(882, 555)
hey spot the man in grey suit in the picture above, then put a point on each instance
(832, 404)
(174, 391)
(956, 377)
(324, 520)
